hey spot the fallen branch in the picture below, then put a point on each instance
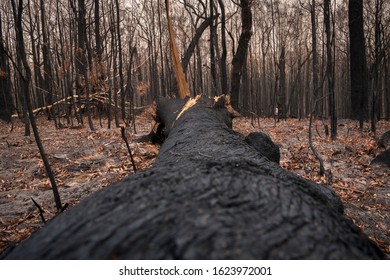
(40, 210)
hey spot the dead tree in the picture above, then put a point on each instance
(25, 77)
(241, 52)
(6, 103)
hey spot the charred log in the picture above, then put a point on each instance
(210, 195)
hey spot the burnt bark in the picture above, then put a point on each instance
(241, 53)
(330, 68)
(6, 103)
(358, 63)
(47, 82)
(194, 42)
(120, 53)
(210, 195)
(224, 77)
(25, 77)
(82, 82)
(281, 99)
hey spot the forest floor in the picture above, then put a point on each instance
(84, 162)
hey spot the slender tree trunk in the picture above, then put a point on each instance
(264, 81)
(114, 52)
(47, 75)
(330, 69)
(22, 98)
(282, 85)
(37, 69)
(6, 103)
(99, 71)
(375, 111)
(200, 72)
(98, 37)
(162, 75)
(245, 89)
(315, 56)
(25, 75)
(120, 53)
(212, 51)
(387, 86)
(224, 77)
(194, 42)
(81, 59)
(315, 99)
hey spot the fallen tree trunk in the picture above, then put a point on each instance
(210, 195)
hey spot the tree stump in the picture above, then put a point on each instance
(384, 141)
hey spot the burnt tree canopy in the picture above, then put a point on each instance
(210, 195)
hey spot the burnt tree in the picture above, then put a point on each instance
(210, 195)
(194, 42)
(241, 53)
(358, 63)
(25, 77)
(6, 103)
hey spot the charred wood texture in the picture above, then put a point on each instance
(240, 56)
(210, 195)
(382, 159)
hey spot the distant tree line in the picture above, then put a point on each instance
(94, 58)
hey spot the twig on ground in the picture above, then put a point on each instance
(128, 148)
(40, 210)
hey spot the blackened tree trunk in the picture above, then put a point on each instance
(213, 67)
(330, 69)
(162, 74)
(100, 72)
(47, 72)
(38, 91)
(81, 59)
(282, 85)
(245, 91)
(315, 97)
(194, 42)
(120, 53)
(98, 37)
(199, 76)
(224, 77)
(314, 106)
(375, 110)
(114, 52)
(387, 85)
(6, 103)
(241, 53)
(358, 63)
(20, 83)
